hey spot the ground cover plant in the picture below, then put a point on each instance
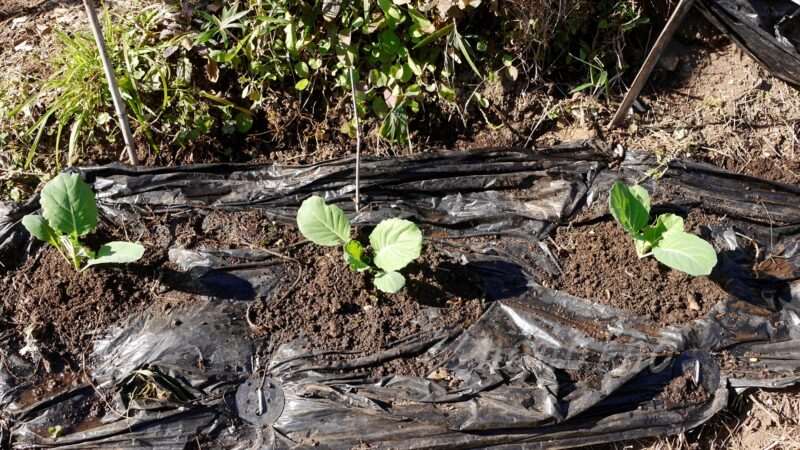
(394, 242)
(69, 212)
(219, 74)
(155, 88)
(665, 239)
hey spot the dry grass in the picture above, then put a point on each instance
(535, 23)
(758, 420)
(544, 32)
(729, 111)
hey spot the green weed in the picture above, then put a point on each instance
(214, 72)
(401, 55)
(593, 42)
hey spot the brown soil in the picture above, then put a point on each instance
(336, 307)
(66, 308)
(682, 390)
(721, 106)
(333, 308)
(602, 265)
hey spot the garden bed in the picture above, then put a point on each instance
(325, 303)
(598, 262)
(237, 299)
(716, 103)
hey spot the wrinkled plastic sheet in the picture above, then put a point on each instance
(510, 364)
(769, 30)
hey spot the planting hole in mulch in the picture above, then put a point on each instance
(599, 263)
(65, 309)
(683, 390)
(328, 305)
(331, 307)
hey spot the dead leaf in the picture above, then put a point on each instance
(18, 21)
(440, 374)
(63, 15)
(212, 70)
(330, 9)
(187, 43)
(512, 73)
(169, 51)
(23, 47)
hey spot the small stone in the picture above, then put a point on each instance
(669, 62)
(693, 305)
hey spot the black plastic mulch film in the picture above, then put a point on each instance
(508, 362)
(769, 30)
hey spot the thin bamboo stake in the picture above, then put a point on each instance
(119, 105)
(652, 58)
(358, 141)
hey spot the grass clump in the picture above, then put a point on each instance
(226, 70)
(155, 77)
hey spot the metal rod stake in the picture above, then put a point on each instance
(119, 105)
(652, 58)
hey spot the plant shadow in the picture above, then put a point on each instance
(491, 280)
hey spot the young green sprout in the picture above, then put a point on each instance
(69, 212)
(666, 239)
(395, 242)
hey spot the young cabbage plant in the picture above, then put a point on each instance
(395, 242)
(665, 239)
(69, 212)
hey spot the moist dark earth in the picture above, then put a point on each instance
(333, 307)
(327, 304)
(602, 265)
(682, 390)
(65, 309)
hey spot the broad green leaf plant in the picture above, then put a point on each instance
(69, 212)
(395, 242)
(666, 239)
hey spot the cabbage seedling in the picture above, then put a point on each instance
(395, 242)
(69, 212)
(665, 239)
